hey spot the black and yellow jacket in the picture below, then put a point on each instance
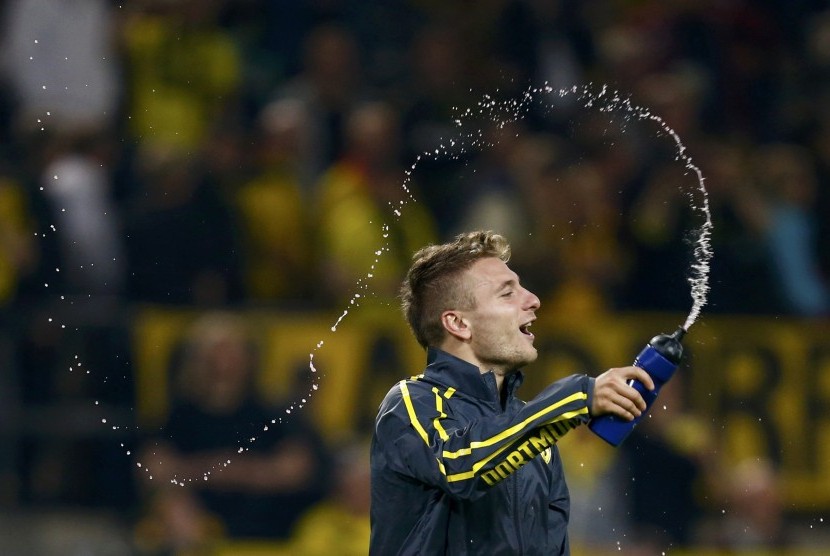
(455, 471)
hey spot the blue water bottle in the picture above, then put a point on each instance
(659, 359)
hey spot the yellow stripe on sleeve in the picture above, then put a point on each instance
(479, 464)
(407, 400)
(504, 435)
(515, 429)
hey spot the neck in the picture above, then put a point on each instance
(499, 374)
(463, 351)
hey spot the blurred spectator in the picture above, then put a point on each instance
(649, 495)
(545, 43)
(581, 260)
(659, 221)
(592, 257)
(273, 207)
(435, 95)
(536, 162)
(330, 84)
(676, 98)
(219, 467)
(598, 522)
(77, 185)
(61, 60)
(269, 36)
(71, 352)
(666, 467)
(627, 52)
(184, 70)
(662, 219)
(490, 186)
(362, 191)
(342, 519)
(74, 382)
(789, 183)
(225, 156)
(180, 234)
(754, 518)
(748, 82)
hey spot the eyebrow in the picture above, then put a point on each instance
(512, 282)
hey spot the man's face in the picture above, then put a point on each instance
(504, 310)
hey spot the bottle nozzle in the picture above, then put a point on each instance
(679, 333)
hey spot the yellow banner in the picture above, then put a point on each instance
(747, 388)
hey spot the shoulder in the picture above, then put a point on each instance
(404, 391)
(404, 400)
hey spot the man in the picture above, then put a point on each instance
(459, 464)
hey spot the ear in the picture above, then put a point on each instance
(456, 325)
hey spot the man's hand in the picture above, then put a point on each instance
(612, 394)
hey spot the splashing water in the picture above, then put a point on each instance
(702, 253)
(469, 136)
(504, 112)
(699, 278)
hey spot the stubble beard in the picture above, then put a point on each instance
(507, 357)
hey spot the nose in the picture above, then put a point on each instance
(532, 302)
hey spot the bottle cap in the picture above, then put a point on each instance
(669, 346)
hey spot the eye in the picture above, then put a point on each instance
(508, 293)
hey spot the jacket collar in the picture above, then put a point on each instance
(467, 378)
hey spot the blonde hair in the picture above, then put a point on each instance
(433, 283)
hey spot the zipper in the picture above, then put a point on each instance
(516, 518)
(514, 479)
(513, 492)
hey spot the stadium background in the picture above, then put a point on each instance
(163, 160)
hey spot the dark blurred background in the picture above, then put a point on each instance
(193, 191)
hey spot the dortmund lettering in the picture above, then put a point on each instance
(545, 438)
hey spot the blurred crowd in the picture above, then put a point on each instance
(209, 152)
(254, 153)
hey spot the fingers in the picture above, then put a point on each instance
(614, 393)
(635, 398)
(626, 408)
(617, 405)
(643, 377)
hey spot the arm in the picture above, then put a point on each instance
(418, 438)
(421, 438)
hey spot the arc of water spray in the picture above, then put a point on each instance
(502, 113)
(702, 253)
(511, 110)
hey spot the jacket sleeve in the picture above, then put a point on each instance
(419, 436)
